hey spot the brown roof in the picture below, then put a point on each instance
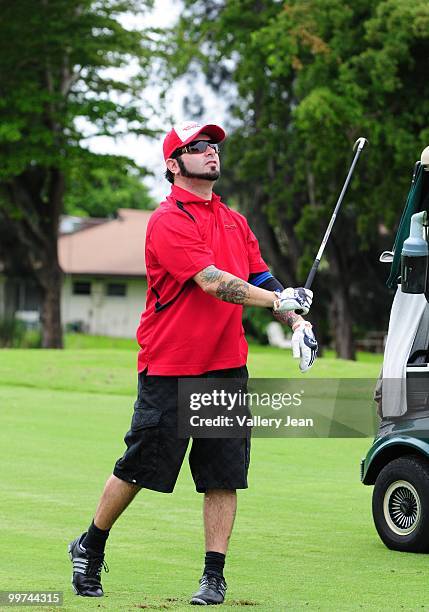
(115, 247)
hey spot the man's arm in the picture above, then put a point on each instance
(288, 317)
(266, 280)
(230, 288)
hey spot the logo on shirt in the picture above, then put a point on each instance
(230, 226)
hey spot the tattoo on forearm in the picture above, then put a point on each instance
(235, 291)
(211, 275)
(289, 318)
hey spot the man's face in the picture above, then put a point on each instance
(204, 166)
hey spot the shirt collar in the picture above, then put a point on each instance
(186, 197)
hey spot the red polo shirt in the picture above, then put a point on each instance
(184, 331)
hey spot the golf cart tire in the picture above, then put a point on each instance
(400, 504)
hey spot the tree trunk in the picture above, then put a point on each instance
(341, 321)
(51, 275)
(52, 336)
(267, 239)
(38, 196)
(340, 311)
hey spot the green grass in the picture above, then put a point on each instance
(303, 538)
(85, 367)
(85, 341)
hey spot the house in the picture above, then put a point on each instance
(104, 287)
(104, 290)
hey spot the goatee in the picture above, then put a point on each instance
(213, 175)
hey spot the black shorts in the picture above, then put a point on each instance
(155, 453)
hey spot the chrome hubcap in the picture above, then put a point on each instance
(402, 508)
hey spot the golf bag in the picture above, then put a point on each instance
(403, 384)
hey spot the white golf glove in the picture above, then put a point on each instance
(304, 345)
(293, 299)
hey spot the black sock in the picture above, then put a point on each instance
(95, 539)
(214, 562)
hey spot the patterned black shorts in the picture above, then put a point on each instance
(154, 453)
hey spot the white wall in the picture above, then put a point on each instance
(101, 314)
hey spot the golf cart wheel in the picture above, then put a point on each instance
(400, 504)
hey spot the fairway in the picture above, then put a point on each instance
(303, 538)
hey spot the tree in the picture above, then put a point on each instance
(57, 77)
(308, 78)
(104, 184)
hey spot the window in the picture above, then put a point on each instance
(116, 289)
(81, 288)
(27, 295)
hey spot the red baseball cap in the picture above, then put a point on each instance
(186, 132)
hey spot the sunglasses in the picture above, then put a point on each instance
(197, 146)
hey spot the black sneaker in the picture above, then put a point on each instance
(86, 579)
(211, 592)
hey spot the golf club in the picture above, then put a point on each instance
(358, 146)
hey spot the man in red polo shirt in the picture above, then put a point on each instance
(203, 265)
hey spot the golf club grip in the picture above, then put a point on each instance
(312, 274)
(309, 281)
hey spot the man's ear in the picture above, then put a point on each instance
(172, 165)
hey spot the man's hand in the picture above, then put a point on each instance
(304, 345)
(293, 299)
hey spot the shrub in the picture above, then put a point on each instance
(255, 321)
(13, 334)
(32, 339)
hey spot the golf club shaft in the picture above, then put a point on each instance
(360, 145)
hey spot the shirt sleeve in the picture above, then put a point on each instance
(256, 263)
(179, 248)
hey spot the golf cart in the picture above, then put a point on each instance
(397, 464)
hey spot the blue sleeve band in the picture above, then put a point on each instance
(258, 279)
(265, 280)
